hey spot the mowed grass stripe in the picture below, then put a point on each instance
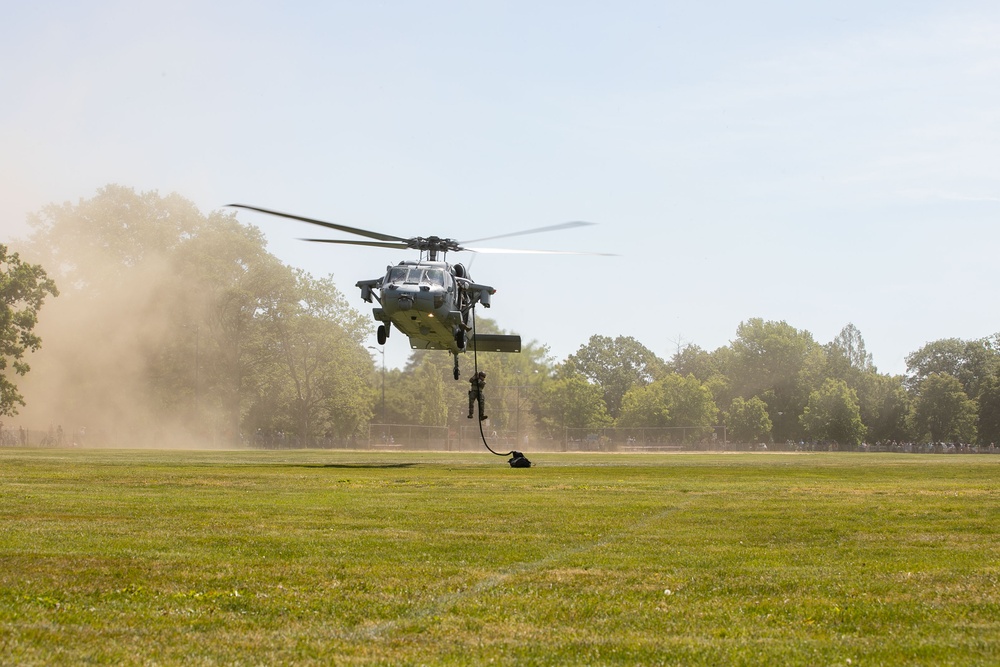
(140, 557)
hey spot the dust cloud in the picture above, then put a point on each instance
(119, 360)
(89, 384)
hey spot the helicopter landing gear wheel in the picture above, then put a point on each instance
(456, 373)
(382, 334)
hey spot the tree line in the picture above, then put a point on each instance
(772, 383)
(173, 324)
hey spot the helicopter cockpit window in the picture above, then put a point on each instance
(411, 275)
(435, 277)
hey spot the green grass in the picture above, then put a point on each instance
(250, 557)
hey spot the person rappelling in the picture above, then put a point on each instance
(476, 385)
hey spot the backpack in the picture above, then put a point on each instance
(518, 460)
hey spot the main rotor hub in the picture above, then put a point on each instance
(432, 245)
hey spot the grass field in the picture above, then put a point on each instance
(317, 557)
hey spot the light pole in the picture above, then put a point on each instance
(382, 351)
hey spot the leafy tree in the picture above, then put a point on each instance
(692, 404)
(319, 339)
(692, 360)
(942, 412)
(989, 412)
(720, 382)
(780, 364)
(847, 352)
(616, 365)
(975, 364)
(23, 288)
(971, 362)
(884, 405)
(398, 400)
(425, 393)
(234, 280)
(747, 420)
(646, 406)
(832, 414)
(97, 243)
(671, 401)
(707, 367)
(433, 408)
(570, 401)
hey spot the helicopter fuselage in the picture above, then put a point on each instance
(428, 301)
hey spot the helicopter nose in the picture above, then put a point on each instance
(404, 303)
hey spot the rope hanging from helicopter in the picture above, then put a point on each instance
(518, 459)
(475, 357)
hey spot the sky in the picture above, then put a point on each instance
(820, 163)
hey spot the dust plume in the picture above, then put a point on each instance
(90, 380)
(120, 362)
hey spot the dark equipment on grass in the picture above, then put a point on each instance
(519, 460)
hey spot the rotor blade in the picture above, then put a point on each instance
(341, 228)
(371, 244)
(550, 228)
(509, 251)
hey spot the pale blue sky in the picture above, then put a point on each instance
(819, 163)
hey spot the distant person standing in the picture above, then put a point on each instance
(477, 383)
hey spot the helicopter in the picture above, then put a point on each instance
(429, 300)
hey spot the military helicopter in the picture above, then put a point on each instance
(429, 300)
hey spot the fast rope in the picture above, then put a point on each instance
(517, 460)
